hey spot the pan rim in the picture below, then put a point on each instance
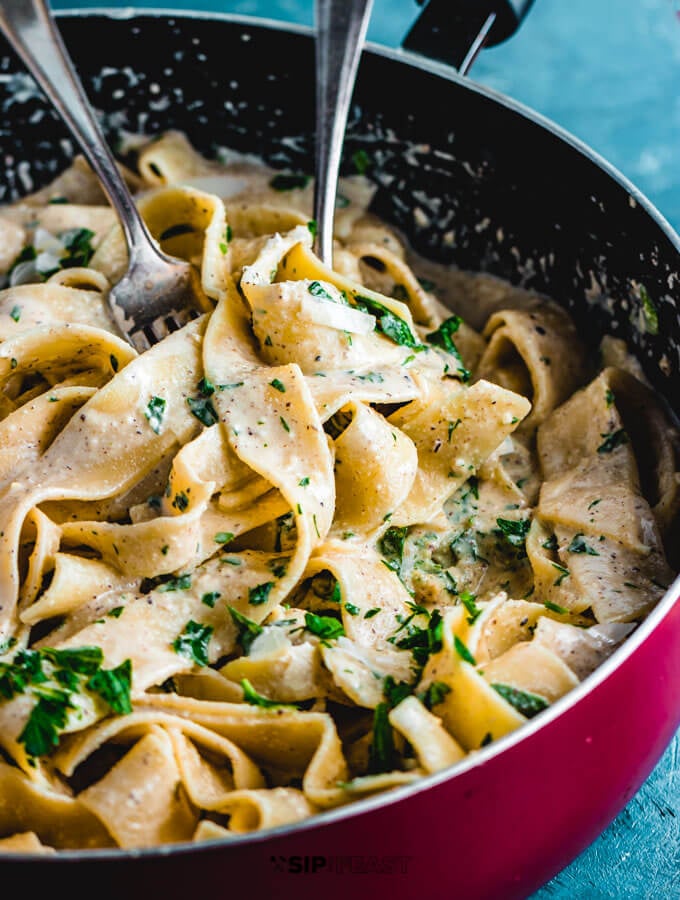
(590, 684)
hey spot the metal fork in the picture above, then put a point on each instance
(158, 293)
(341, 27)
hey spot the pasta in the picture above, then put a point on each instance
(322, 541)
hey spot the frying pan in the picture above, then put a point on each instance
(477, 181)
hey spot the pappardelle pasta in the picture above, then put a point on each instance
(331, 536)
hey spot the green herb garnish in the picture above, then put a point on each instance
(154, 412)
(325, 627)
(78, 244)
(179, 583)
(441, 337)
(469, 602)
(612, 440)
(193, 642)
(435, 693)
(316, 289)
(564, 572)
(247, 629)
(381, 755)
(250, 695)
(649, 311)
(525, 703)
(260, 594)
(113, 686)
(514, 531)
(203, 409)
(391, 546)
(463, 651)
(579, 545)
(391, 325)
(396, 691)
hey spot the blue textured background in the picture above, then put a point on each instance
(609, 72)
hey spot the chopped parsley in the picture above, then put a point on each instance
(325, 627)
(373, 377)
(435, 694)
(391, 546)
(113, 686)
(555, 607)
(381, 755)
(389, 324)
(15, 313)
(223, 537)
(203, 409)
(316, 289)
(579, 545)
(452, 427)
(469, 602)
(563, 573)
(74, 669)
(180, 583)
(193, 642)
(362, 161)
(78, 243)
(247, 629)
(612, 440)
(463, 651)
(202, 406)
(154, 412)
(441, 337)
(421, 641)
(284, 424)
(47, 719)
(279, 566)
(525, 703)
(260, 593)
(515, 531)
(649, 311)
(550, 543)
(396, 691)
(278, 385)
(210, 598)
(250, 695)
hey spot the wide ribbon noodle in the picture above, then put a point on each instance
(324, 540)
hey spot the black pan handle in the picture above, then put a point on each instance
(453, 31)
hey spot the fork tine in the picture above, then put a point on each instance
(140, 341)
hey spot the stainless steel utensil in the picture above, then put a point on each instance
(341, 27)
(158, 293)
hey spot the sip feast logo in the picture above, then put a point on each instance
(340, 865)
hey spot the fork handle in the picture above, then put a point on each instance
(32, 32)
(341, 29)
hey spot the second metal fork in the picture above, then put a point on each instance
(158, 293)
